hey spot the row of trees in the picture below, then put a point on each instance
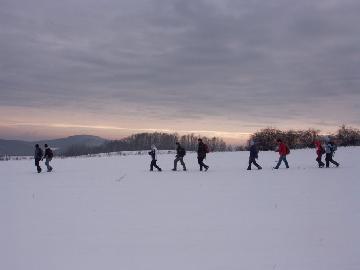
(136, 142)
(265, 139)
(347, 136)
(297, 139)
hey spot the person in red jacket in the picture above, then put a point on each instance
(283, 152)
(319, 152)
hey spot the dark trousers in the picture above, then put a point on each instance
(153, 164)
(282, 158)
(37, 164)
(318, 159)
(328, 159)
(252, 160)
(181, 159)
(201, 163)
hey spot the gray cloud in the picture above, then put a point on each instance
(253, 60)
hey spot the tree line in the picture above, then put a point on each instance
(265, 139)
(141, 141)
(298, 139)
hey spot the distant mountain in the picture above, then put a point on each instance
(24, 148)
(16, 148)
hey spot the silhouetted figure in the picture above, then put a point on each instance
(254, 151)
(319, 152)
(330, 148)
(153, 154)
(38, 156)
(202, 151)
(283, 150)
(180, 153)
(48, 157)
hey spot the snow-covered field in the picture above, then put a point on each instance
(112, 213)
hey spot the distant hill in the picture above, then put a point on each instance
(24, 148)
(16, 148)
(141, 141)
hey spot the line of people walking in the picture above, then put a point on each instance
(282, 148)
(202, 150)
(327, 147)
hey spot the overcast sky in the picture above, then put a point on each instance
(229, 67)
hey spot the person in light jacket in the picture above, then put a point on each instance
(153, 154)
(330, 148)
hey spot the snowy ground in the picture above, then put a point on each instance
(112, 213)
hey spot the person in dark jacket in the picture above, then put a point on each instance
(38, 156)
(180, 153)
(253, 156)
(330, 148)
(153, 154)
(201, 151)
(48, 157)
(283, 152)
(319, 152)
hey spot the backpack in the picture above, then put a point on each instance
(333, 148)
(182, 152)
(50, 153)
(287, 150)
(206, 148)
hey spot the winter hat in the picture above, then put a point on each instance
(252, 143)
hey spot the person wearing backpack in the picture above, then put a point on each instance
(38, 156)
(48, 157)
(180, 154)
(283, 150)
(319, 152)
(330, 148)
(202, 150)
(254, 151)
(153, 154)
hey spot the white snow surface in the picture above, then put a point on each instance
(112, 213)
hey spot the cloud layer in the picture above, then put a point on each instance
(238, 63)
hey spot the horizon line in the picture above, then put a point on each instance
(226, 135)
